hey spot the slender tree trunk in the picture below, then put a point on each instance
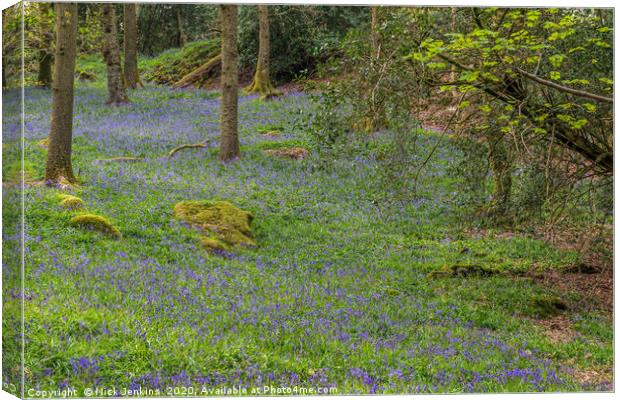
(262, 83)
(46, 57)
(117, 94)
(58, 166)
(130, 35)
(182, 38)
(501, 165)
(374, 30)
(453, 68)
(229, 139)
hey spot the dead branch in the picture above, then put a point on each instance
(203, 144)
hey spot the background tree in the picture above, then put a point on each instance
(229, 139)
(59, 166)
(117, 93)
(130, 35)
(262, 81)
(182, 37)
(46, 55)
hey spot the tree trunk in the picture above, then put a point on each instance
(262, 83)
(58, 166)
(130, 40)
(182, 38)
(501, 165)
(453, 68)
(46, 57)
(117, 94)
(374, 30)
(229, 139)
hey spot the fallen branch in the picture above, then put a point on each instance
(203, 144)
(198, 73)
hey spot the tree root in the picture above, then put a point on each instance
(203, 144)
(198, 73)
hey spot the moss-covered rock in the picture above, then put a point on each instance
(270, 134)
(294, 153)
(224, 225)
(96, 223)
(44, 143)
(70, 202)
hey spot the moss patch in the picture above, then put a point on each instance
(71, 202)
(224, 225)
(463, 271)
(294, 153)
(95, 223)
(546, 305)
(270, 134)
(44, 143)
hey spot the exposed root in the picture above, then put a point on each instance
(262, 87)
(203, 144)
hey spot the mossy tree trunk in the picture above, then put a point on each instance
(130, 44)
(501, 165)
(262, 82)
(58, 166)
(117, 93)
(46, 57)
(229, 139)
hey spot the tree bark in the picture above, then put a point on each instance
(229, 139)
(374, 30)
(182, 38)
(262, 82)
(501, 165)
(46, 57)
(117, 94)
(58, 166)
(130, 40)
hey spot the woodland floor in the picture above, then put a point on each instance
(344, 290)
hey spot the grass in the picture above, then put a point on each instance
(339, 292)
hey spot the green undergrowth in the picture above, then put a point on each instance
(172, 65)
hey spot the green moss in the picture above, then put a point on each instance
(44, 142)
(71, 202)
(96, 223)
(269, 129)
(224, 225)
(293, 153)
(172, 65)
(458, 270)
(545, 305)
(210, 244)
